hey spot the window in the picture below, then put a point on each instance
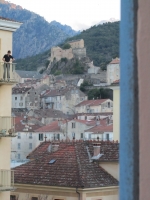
(19, 156)
(12, 197)
(20, 104)
(19, 136)
(107, 136)
(30, 145)
(19, 146)
(34, 198)
(108, 104)
(73, 124)
(58, 136)
(81, 135)
(89, 136)
(30, 135)
(21, 98)
(15, 98)
(73, 135)
(41, 136)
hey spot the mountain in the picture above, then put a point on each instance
(35, 35)
(101, 42)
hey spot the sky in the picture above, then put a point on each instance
(79, 14)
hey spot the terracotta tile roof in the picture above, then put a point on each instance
(117, 81)
(101, 128)
(21, 125)
(110, 150)
(52, 127)
(70, 169)
(115, 61)
(56, 92)
(23, 90)
(50, 113)
(96, 102)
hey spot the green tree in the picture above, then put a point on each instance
(66, 46)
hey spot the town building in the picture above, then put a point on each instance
(102, 131)
(22, 76)
(68, 170)
(113, 71)
(63, 99)
(7, 129)
(94, 106)
(27, 96)
(93, 69)
(47, 115)
(77, 50)
(25, 140)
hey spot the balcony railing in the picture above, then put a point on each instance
(6, 180)
(7, 72)
(7, 127)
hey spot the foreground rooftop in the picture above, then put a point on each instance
(67, 164)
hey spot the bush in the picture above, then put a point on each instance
(57, 73)
(66, 46)
(64, 60)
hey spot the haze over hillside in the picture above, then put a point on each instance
(35, 35)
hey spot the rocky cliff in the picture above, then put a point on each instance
(35, 35)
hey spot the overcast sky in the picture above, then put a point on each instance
(79, 14)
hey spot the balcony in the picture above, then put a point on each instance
(6, 73)
(6, 180)
(7, 127)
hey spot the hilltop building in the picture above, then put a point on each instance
(77, 50)
(7, 129)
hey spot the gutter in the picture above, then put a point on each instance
(78, 193)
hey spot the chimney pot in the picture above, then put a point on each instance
(96, 147)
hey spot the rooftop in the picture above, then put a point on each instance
(115, 61)
(101, 128)
(29, 74)
(96, 102)
(23, 90)
(71, 166)
(7, 19)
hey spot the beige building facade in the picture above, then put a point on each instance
(116, 114)
(31, 192)
(7, 27)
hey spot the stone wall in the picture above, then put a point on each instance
(79, 52)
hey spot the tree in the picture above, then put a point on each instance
(66, 46)
(101, 93)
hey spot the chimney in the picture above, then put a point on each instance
(96, 147)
